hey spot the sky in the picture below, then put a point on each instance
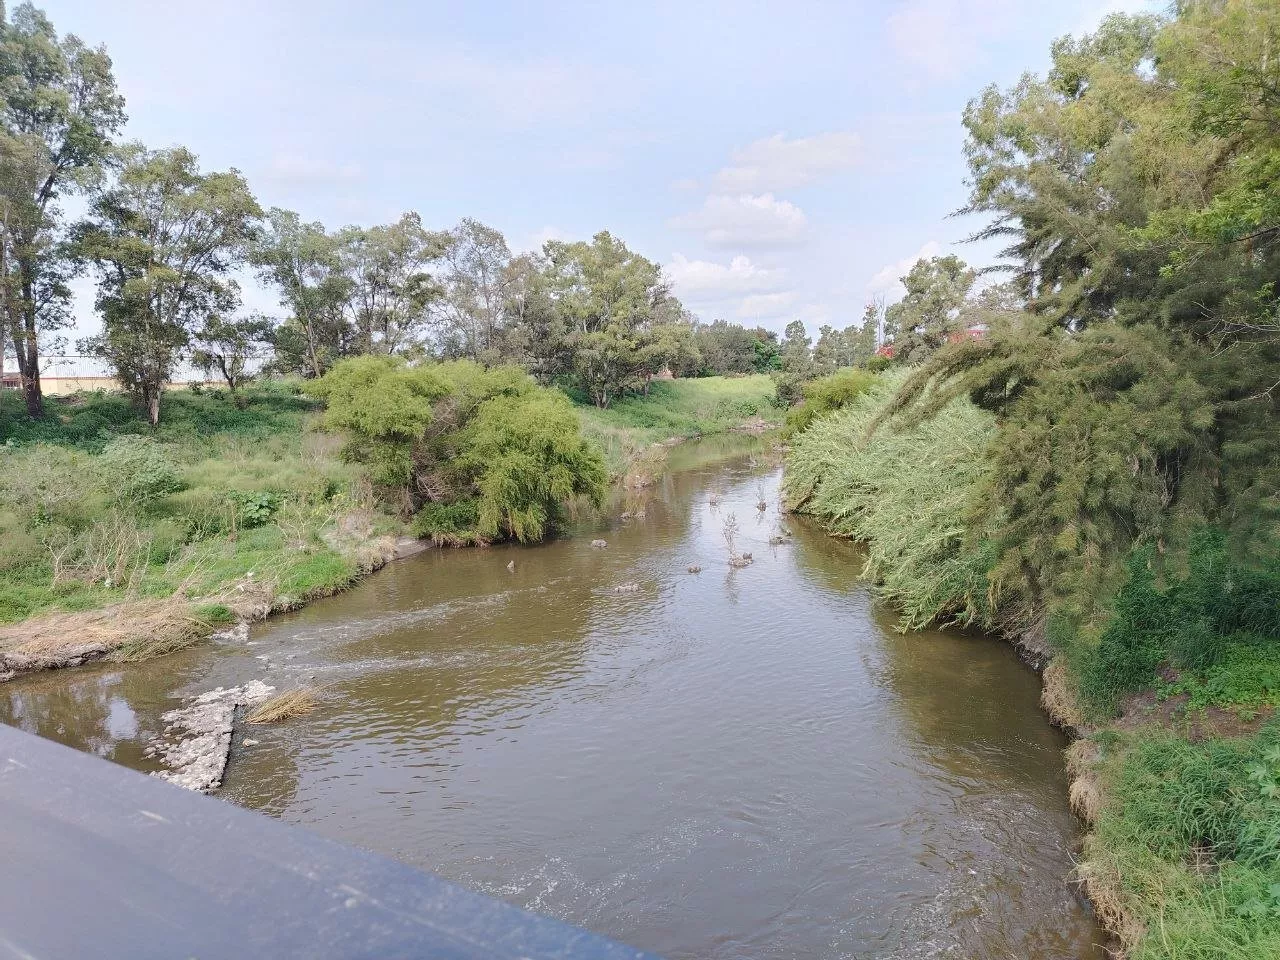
(780, 160)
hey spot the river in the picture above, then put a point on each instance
(727, 764)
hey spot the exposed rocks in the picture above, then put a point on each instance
(599, 544)
(627, 588)
(511, 567)
(409, 547)
(197, 737)
(694, 568)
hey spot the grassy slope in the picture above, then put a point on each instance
(677, 409)
(1183, 791)
(56, 503)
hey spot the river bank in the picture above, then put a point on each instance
(742, 761)
(146, 541)
(1170, 692)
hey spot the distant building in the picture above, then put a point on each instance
(63, 375)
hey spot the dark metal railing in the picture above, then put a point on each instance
(97, 861)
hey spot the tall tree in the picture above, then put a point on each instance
(229, 345)
(930, 313)
(474, 280)
(391, 292)
(609, 300)
(58, 111)
(302, 261)
(165, 240)
(797, 358)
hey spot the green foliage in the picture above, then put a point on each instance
(254, 508)
(908, 494)
(386, 406)
(679, 409)
(59, 108)
(528, 459)
(1219, 622)
(456, 433)
(137, 471)
(449, 524)
(88, 515)
(163, 238)
(825, 394)
(1193, 830)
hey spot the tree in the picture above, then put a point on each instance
(390, 293)
(58, 110)
(474, 280)
(474, 454)
(1136, 394)
(302, 261)
(930, 313)
(796, 357)
(164, 240)
(607, 301)
(227, 345)
(728, 348)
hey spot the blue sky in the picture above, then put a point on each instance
(780, 160)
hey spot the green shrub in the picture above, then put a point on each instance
(137, 471)
(50, 485)
(1211, 613)
(908, 495)
(449, 524)
(456, 432)
(1193, 829)
(254, 508)
(827, 394)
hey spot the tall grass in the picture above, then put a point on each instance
(676, 409)
(907, 494)
(1186, 849)
(97, 508)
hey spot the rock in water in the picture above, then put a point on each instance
(512, 566)
(599, 544)
(694, 568)
(198, 736)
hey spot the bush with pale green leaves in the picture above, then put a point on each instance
(475, 454)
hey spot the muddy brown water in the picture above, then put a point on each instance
(727, 764)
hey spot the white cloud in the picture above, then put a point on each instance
(940, 36)
(765, 306)
(704, 281)
(296, 169)
(746, 221)
(776, 163)
(888, 282)
(518, 92)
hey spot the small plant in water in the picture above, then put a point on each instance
(761, 503)
(730, 533)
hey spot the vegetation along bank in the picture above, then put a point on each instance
(1085, 457)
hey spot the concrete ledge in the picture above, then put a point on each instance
(101, 861)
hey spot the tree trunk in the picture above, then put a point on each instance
(28, 349)
(32, 393)
(153, 407)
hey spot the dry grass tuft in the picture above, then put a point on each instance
(1103, 886)
(1057, 697)
(285, 706)
(125, 632)
(1086, 797)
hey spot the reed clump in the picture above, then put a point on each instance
(909, 493)
(288, 705)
